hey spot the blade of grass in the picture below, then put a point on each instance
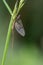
(21, 3)
(7, 6)
(15, 13)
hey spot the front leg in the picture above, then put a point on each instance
(13, 34)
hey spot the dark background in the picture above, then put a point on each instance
(27, 50)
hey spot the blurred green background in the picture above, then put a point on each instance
(27, 50)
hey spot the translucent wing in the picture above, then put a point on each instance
(19, 27)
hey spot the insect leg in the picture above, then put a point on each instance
(12, 34)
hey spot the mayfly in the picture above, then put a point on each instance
(18, 27)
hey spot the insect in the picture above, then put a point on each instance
(19, 26)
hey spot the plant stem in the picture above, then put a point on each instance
(8, 38)
(7, 6)
(7, 41)
(9, 30)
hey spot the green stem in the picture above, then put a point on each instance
(7, 41)
(9, 30)
(9, 9)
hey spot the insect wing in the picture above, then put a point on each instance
(19, 27)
